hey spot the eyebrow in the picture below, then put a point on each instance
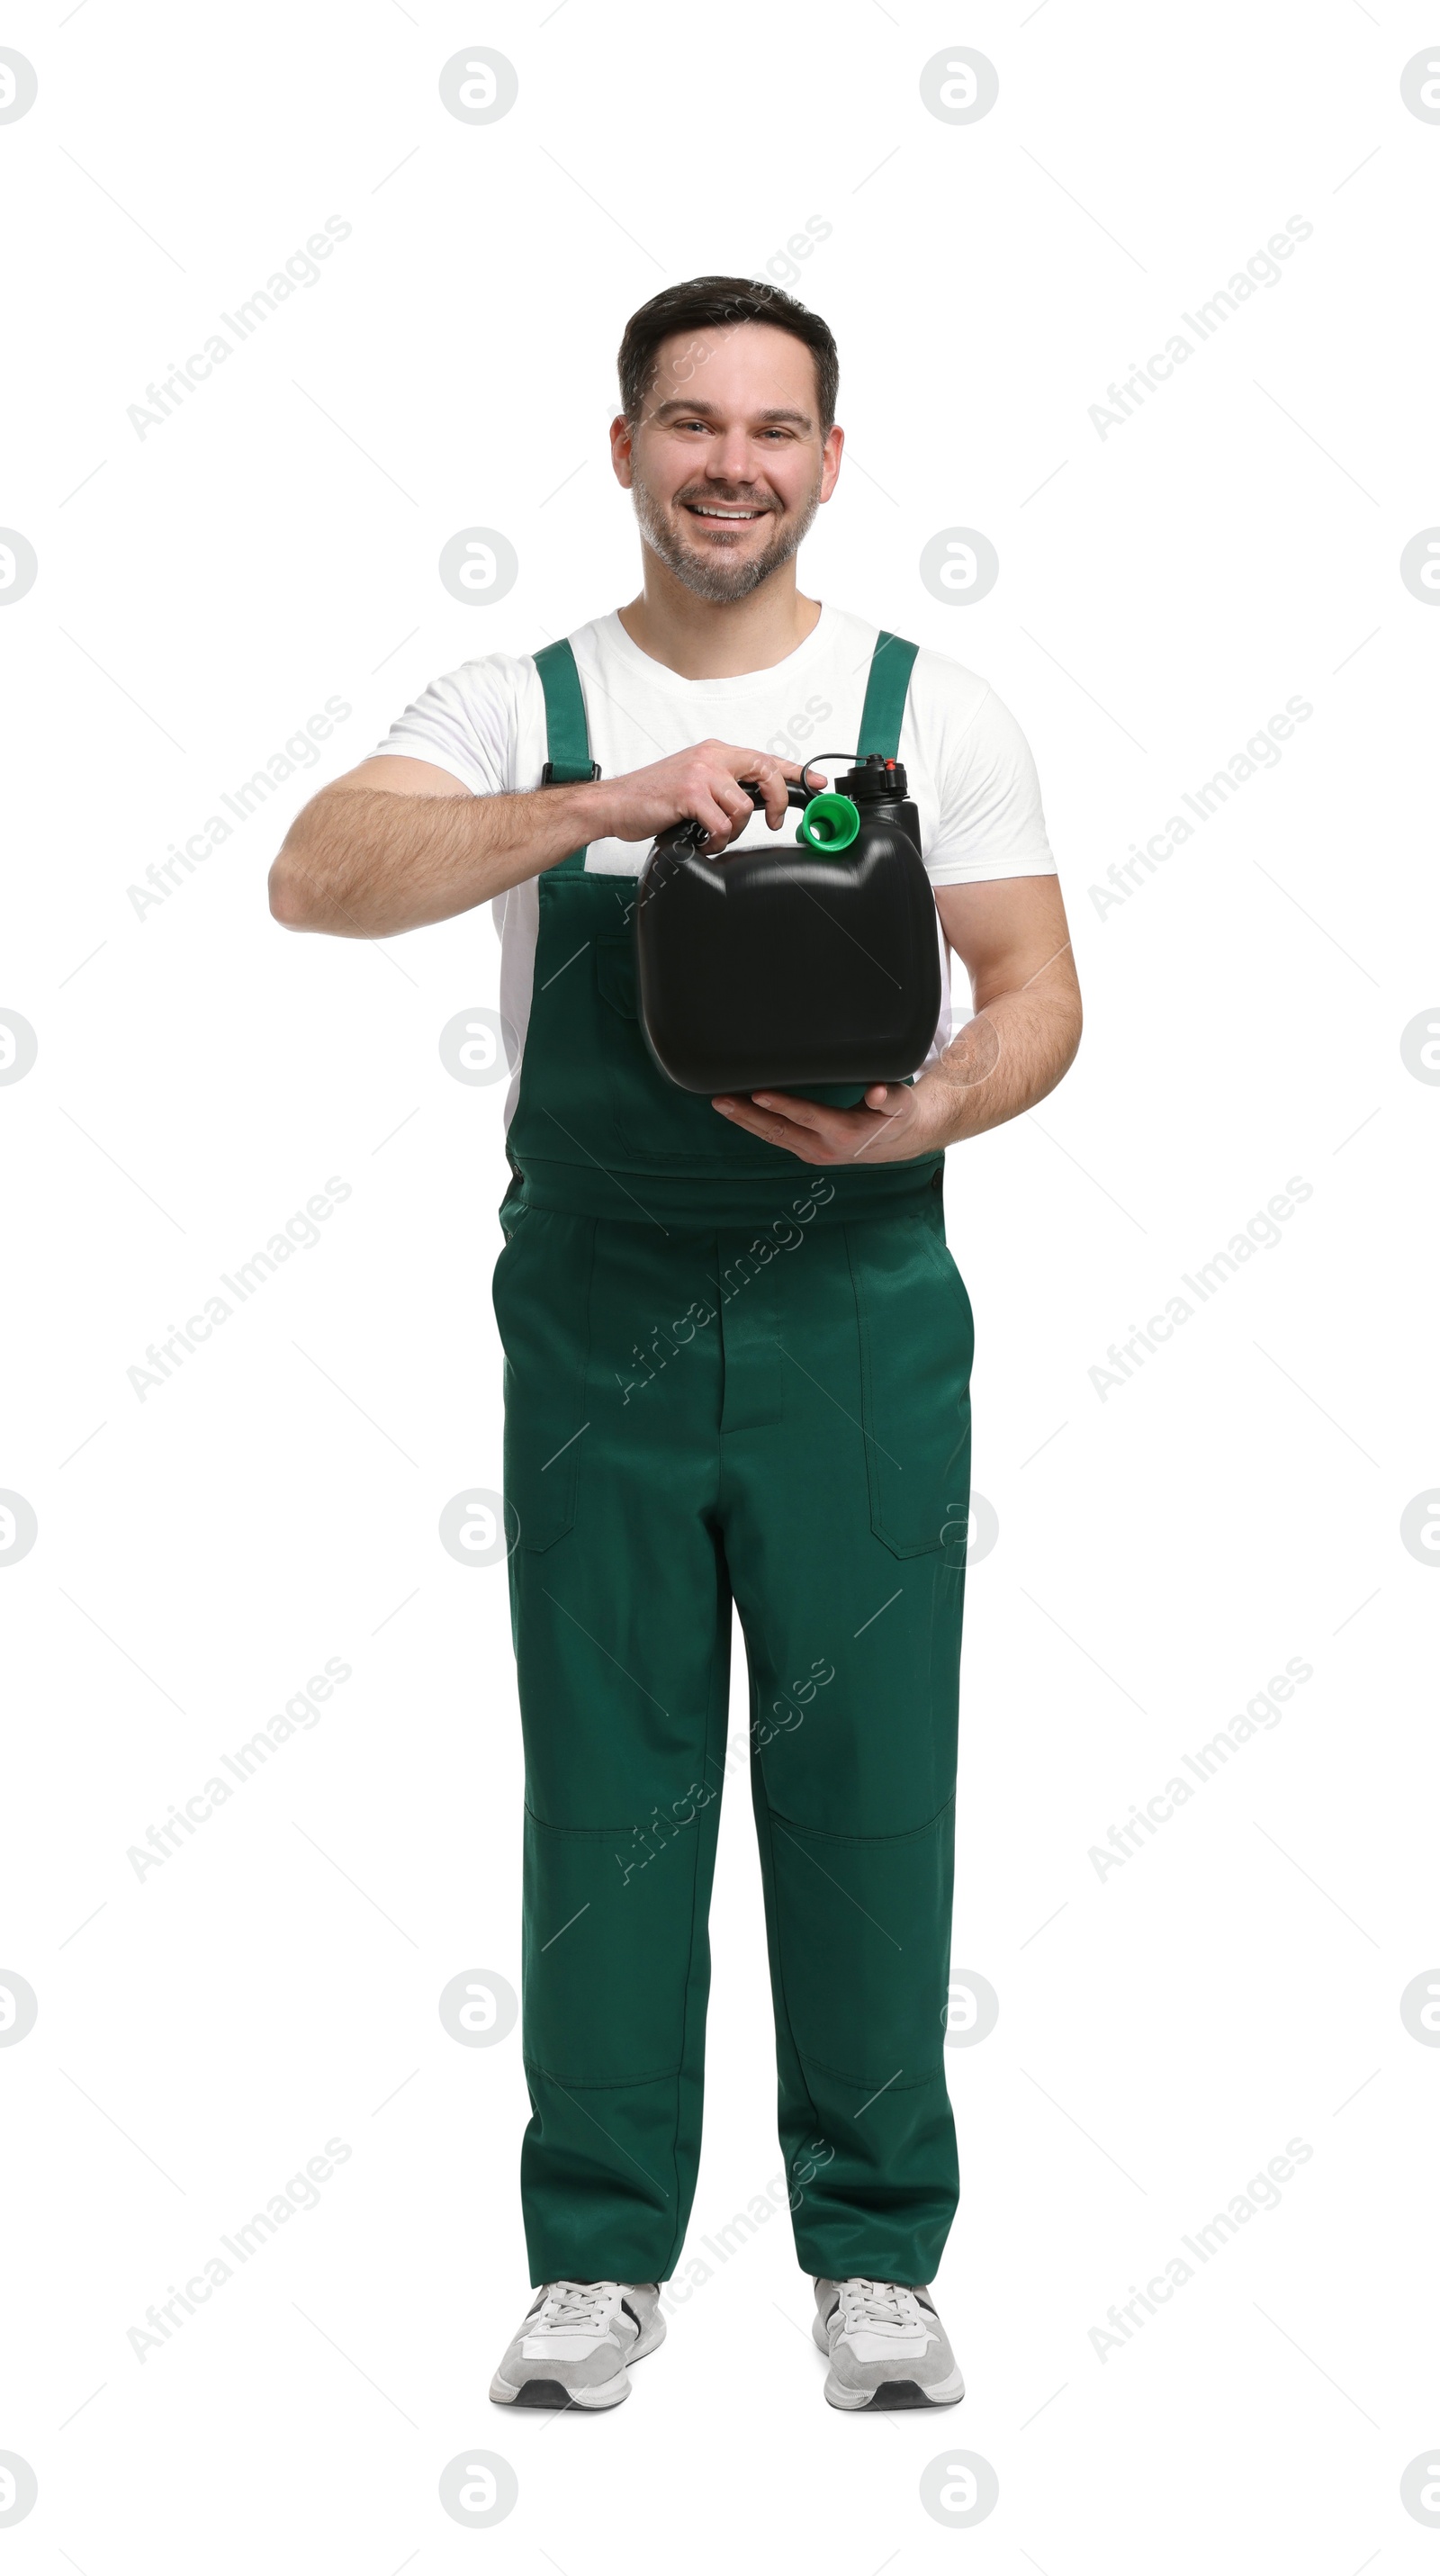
(802, 418)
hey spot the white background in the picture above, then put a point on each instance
(1163, 591)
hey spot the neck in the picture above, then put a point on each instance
(710, 639)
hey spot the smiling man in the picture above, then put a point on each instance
(737, 1361)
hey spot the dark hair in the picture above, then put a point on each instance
(707, 303)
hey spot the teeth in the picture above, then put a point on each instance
(702, 513)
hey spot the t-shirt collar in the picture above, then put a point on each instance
(612, 637)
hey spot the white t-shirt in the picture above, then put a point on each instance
(971, 775)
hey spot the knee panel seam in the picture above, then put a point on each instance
(895, 2084)
(612, 2084)
(579, 1833)
(822, 1834)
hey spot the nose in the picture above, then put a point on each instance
(729, 459)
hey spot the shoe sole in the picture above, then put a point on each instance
(554, 2393)
(892, 2393)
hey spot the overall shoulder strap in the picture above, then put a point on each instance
(890, 667)
(567, 735)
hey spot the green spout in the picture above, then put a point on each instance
(829, 823)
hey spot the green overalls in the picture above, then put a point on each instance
(728, 1375)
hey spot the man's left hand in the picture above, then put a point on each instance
(895, 1124)
(1012, 936)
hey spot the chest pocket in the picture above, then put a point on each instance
(653, 1118)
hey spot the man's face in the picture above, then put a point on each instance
(727, 463)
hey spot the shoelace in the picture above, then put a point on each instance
(574, 2307)
(879, 2305)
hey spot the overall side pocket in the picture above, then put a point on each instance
(916, 1347)
(540, 1290)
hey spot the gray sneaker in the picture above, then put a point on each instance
(885, 2345)
(574, 2345)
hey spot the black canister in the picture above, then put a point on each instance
(816, 963)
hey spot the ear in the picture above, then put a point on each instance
(621, 442)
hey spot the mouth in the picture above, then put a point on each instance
(723, 513)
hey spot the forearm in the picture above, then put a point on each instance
(362, 863)
(1010, 1055)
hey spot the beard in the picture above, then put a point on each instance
(718, 571)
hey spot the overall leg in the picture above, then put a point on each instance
(621, 1616)
(844, 1512)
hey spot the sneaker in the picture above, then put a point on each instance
(885, 2345)
(575, 2342)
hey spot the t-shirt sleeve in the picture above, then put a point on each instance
(992, 823)
(466, 723)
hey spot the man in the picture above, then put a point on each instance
(737, 1359)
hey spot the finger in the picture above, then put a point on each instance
(717, 823)
(723, 807)
(804, 1113)
(788, 1120)
(772, 787)
(734, 798)
(774, 1131)
(761, 769)
(775, 779)
(733, 825)
(799, 773)
(715, 805)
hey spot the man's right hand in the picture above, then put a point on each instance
(701, 784)
(397, 843)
